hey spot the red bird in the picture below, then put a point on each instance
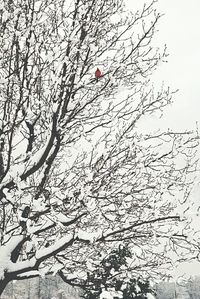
(98, 74)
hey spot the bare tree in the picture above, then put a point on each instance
(77, 178)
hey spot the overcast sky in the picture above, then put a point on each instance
(179, 28)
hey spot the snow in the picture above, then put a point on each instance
(91, 205)
(91, 237)
(58, 244)
(38, 205)
(89, 265)
(4, 264)
(3, 81)
(56, 268)
(43, 271)
(32, 229)
(124, 286)
(137, 288)
(106, 295)
(38, 155)
(5, 254)
(30, 117)
(150, 296)
(116, 18)
(12, 267)
(63, 218)
(16, 171)
(111, 294)
(55, 107)
(5, 16)
(71, 276)
(28, 274)
(6, 250)
(39, 254)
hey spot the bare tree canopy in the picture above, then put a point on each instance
(77, 180)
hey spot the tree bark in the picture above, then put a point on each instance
(3, 284)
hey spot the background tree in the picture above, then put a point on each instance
(50, 287)
(77, 178)
(192, 287)
(166, 290)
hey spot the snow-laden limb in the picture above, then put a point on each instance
(91, 237)
(10, 245)
(21, 267)
(22, 171)
(5, 254)
(58, 246)
(29, 268)
(29, 274)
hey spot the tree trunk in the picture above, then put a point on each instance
(3, 284)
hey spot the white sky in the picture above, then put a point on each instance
(179, 28)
